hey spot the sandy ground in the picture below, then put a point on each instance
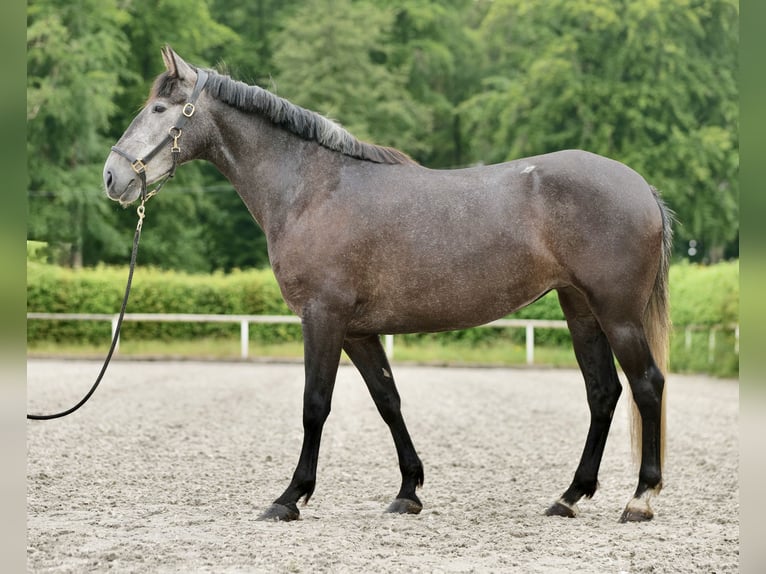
(167, 467)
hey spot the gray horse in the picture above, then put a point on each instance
(364, 241)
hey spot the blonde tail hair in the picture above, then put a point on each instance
(657, 328)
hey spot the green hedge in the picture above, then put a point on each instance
(704, 296)
(100, 290)
(699, 295)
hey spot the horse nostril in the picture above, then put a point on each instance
(108, 179)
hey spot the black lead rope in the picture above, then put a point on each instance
(136, 238)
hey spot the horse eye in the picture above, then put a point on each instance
(159, 108)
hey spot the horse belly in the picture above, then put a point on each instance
(431, 298)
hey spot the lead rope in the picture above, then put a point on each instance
(136, 237)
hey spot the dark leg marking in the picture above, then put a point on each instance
(646, 383)
(594, 356)
(323, 335)
(369, 357)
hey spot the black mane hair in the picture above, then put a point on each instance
(300, 121)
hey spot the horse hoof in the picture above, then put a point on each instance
(636, 515)
(280, 513)
(404, 506)
(561, 508)
(638, 509)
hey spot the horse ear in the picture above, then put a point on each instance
(168, 58)
(176, 65)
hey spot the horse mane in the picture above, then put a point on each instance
(295, 119)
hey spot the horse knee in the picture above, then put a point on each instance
(316, 409)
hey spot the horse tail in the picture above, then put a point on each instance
(657, 326)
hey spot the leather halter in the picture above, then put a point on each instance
(139, 164)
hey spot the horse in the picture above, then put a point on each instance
(365, 241)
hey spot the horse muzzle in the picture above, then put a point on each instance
(122, 189)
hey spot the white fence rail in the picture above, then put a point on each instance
(244, 321)
(712, 332)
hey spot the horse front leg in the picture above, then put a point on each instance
(368, 356)
(323, 334)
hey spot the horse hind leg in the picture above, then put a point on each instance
(368, 356)
(594, 356)
(647, 382)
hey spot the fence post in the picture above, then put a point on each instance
(389, 339)
(244, 338)
(530, 339)
(711, 345)
(115, 321)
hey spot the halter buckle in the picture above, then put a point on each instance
(175, 133)
(138, 166)
(188, 110)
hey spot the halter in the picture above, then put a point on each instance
(139, 164)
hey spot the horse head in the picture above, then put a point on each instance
(161, 136)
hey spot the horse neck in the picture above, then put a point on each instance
(268, 166)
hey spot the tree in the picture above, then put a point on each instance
(185, 226)
(90, 67)
(435, 45)
(342, 68)
(74, 53)
(257, 23)
(648, 83)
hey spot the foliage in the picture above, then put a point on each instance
(451, 82)
(708, 297)
(74, 56)
(354, 81)
(650, 84)
(432, 43)
(36, 251)
(705, 295)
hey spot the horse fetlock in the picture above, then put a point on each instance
(306, 488)
(581, 487)
(649, 478)
(590, 489)
(416, 473)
